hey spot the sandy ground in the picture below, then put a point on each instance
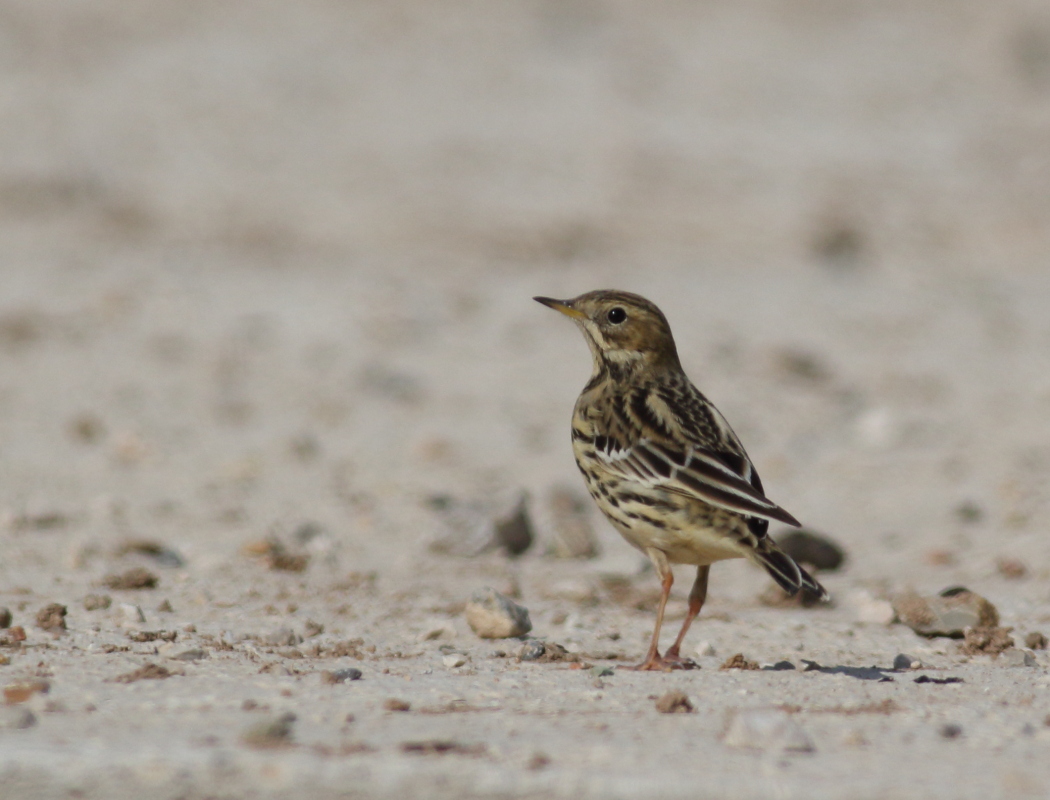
(267, 274)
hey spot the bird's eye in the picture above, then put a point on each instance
(616, 315)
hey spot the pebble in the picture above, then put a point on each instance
(814, 549)
(1035, 641)
(474, 527)
(394, 704)
(131, 614)
(134, 578)
(737, 661)
(986, 641)
(52, 617)
(514, 531)
(341, 675)
(1018, 657)
(444, 631)
(904, 661)
(948, 614)
(572, 535)
(951, 730)
(674, 702)
(181, 653)
(160, 552)
(705, 649)
(767, 729)
(870, 609)
(13, 636)
(276, 732)
(20, 692)
(454, 660)
(601, 672)
(492, 615)
(5, 617)
(94, 602)
(532, 651)
(284, 637)
(16, 718)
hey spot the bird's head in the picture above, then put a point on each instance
(623, 330)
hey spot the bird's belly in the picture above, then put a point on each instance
(688, 544)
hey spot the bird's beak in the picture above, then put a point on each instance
(564, 306)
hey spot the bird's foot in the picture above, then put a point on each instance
(675, 661)
(666, 663)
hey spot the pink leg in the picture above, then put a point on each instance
(697, 595)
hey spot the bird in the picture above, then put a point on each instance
(662, 463)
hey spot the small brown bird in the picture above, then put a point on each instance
(662, 463)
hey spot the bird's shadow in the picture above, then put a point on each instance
(861, 673)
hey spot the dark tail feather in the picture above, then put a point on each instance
(789, 575)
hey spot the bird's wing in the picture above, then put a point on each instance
(692, 471)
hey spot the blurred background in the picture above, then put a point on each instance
(265, 261)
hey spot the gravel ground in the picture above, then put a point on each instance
(266, 338)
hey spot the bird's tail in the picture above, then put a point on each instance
(788, 575)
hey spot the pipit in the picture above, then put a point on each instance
(662, 463)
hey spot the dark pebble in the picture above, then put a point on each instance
(341, 675)
(532, 651)
(951, 731)
(813, 549)
(780, 666)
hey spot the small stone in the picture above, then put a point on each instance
(147, 672)
(1035, 641)
(572, 535)
(987, 641)
(948, 614)
(575, 590)
(341, 675)
(492, 615)
(165, 607)
(737, 661)
(161, 553)
(13, 636)
(776, 597)
(276, 732)
(814, 549)
(601, 672)
(546, 652)
(135, 578)
(95, 602)
(532, 651)
(538, 761)
(767, 729)
(16, 718)
(780, 666)
(1011, 568)
(20, 692)
(180, 653)
(904, 661)
(673, 702)
(454, 660)
(705, 649)
(5, 617)
(131, 614)
(284, 637)
(951, 730)
(394, 704)
(869, 609)
(514, 532)
(443, 631)
(52, 617)
(1017, 657)
(969, 512)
